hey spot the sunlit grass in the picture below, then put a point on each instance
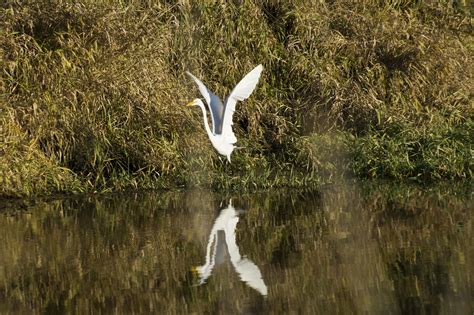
(92, 93)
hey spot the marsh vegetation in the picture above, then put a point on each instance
(92, 93)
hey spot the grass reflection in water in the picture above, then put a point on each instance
(341, 249)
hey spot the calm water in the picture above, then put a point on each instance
(344, 249)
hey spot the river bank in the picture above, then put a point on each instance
(93, 94)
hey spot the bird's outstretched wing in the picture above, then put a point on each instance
(215, 105)
(240, 92)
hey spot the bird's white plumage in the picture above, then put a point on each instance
(240, 92)
(222, 136)
(202, 88)
(215, 104)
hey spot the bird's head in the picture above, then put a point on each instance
(195, 102)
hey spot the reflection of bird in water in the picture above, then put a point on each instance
(222, 137)
(222, 234)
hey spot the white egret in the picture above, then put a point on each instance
(222, 137)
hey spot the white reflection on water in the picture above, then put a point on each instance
(222, 237)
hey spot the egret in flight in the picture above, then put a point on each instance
(222, 137)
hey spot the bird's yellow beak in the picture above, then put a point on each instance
(191, 104)
(194, 270)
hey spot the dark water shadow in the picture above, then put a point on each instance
(364, 248)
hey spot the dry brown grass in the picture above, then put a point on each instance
(94, 89)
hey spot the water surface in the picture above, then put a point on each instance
(359, 248)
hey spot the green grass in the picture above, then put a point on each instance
(441, 149)
(92, 93)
